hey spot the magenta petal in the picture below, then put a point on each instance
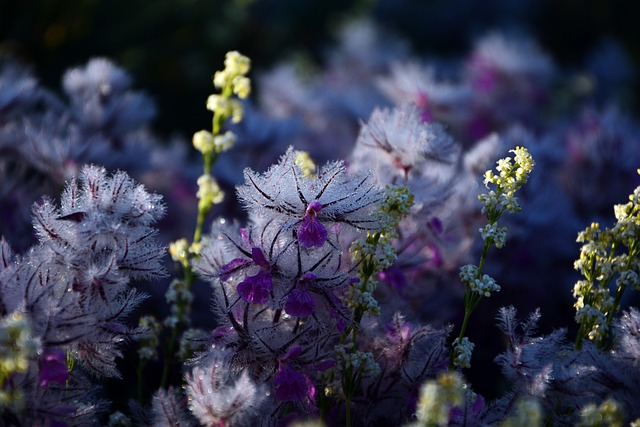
(53, 367)
(311, 232)
(299, 303)
(255, 289)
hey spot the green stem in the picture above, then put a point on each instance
(168, 360)
(616, 304)
(139, 374)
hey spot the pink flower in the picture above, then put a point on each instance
(52, 367)
(311, 233)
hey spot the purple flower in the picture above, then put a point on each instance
(300, 302)
(292, 385)
(311, 233)
(52, 367)
(255, 289)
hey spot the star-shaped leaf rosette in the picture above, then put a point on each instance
(312, 209)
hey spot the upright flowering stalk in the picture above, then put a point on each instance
(512, 174)
(605, 255)
(232, 82)
(373, 255)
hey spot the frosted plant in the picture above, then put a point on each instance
(220, 395)
(168, 410)
(402, 149)
(595, 141)
(102, 101)
(74, 288)
(46, 139)
(307, 206)
(438, 100)
(510, 78)
(277, 284)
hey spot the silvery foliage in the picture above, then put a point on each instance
(277, 202)
(408, 355)
(45, 140)
(403, 149)
(563, 379)
(74, 285)
(216, 395)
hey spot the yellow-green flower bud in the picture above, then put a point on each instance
(236, 64)
(241, 86)
(221, 79)
(204, 142)
(209, 192)
(217, 102)
(305, 162)
(225, 141)
(179, 250)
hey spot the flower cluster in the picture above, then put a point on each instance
(64, 303)
(513, 174)
(605, 255)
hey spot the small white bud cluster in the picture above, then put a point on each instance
(491, 232)
(462, 351)
(234, 74)
(347, 358)
(209, 192)
(226, 107)
(483, 285)
(179, 298)
(179, 251)
(148, 343)
(206, 143)
(600, 262)
(512, 174)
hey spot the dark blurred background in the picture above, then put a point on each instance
(172, 47)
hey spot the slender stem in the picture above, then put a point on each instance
(139, 374)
